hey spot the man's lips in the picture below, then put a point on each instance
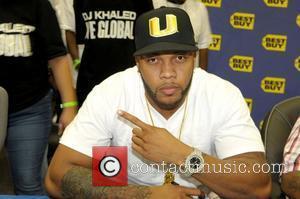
(168, 90)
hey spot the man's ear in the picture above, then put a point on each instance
(136, 58)
(137, 63)
(195, 54)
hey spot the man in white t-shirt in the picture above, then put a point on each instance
(290, 183)
(200, 21)
(166, 112)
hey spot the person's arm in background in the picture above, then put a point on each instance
(205, 37)
(64, 82)
(73, 48)
(203, 58)
(66, 17)
(53, 48)
(290, 179)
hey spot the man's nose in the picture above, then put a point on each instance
(167, 70)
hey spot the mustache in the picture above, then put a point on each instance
(152, 94)
(168, 85)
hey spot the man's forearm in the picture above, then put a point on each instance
(203, 58)
(63, 78)
(291, 184)
(71, 44)
(235, 178)
(77, 183)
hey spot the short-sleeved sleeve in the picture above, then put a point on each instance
(91, 125)
(291, 153)
(65, 14)
(49, 31)
(204, 38)
(235, 131)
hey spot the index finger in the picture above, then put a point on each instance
(133, 119)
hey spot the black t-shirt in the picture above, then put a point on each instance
(106, 28)
(29, 37)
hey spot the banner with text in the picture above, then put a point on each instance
(256, 46)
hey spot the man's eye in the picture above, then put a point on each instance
(180, 58)
(152, 60)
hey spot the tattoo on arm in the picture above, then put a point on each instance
(77, 183)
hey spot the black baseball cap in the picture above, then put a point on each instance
(162, 30)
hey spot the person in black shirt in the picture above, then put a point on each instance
(30, 39)
(106, 30)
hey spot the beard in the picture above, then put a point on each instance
(162, 105)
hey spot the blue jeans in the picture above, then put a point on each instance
(27, 138)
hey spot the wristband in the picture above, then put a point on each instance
(76, 63)
(68, 104)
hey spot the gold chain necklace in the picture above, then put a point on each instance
(169, 177)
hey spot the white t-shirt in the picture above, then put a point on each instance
(217, 121)
(199, 17)
(65, 14)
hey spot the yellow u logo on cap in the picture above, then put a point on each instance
(171, 26)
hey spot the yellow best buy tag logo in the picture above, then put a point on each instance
(249, 102)
(241, 63)
(242, 20)
(273, 85)
(275, 42)
(216, 42)
(212, 3)
(277, 3)
(171, 26)
(298, 20)
(297, 63)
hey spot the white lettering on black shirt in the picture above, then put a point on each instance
(109, 24)
(15, 40)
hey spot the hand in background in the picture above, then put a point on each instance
(66, 118)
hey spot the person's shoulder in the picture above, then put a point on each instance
(296, 125)
(213, 85)
(197, 4)
(125, 75)
(117, 88)
(212, 80)
(119, 80)
(217, 93)
(195, 9)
